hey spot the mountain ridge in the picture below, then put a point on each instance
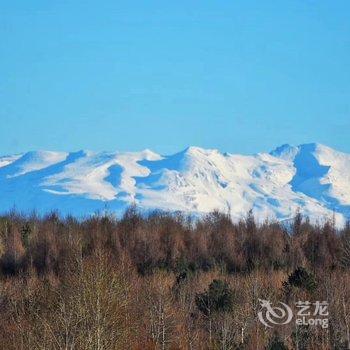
(311, 177)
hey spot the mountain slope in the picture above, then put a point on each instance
(312, 177)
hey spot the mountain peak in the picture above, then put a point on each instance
(198, 151)
(35, 160)
(288, 152)
(194, 150)
(285, 151)
(150, 155)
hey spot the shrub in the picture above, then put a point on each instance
(303, 279)
(218, 298)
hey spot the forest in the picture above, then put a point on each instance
(169, 281)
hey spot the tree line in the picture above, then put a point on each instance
(168, 281)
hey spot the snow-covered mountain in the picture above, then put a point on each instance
(311, 177)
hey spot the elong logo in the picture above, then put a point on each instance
(271, 316)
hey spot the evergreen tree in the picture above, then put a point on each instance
(303, 279)
(218, 298)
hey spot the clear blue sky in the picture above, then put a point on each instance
(237, 75)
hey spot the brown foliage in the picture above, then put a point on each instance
(104, 283)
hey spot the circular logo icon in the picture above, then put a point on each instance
(274, 315)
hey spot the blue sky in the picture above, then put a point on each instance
(241, 76)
